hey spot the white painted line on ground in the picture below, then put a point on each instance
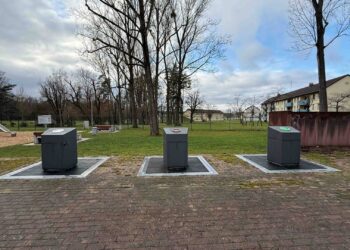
(10, 176)
(263, 169)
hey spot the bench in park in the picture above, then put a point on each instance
(37, 137)
(104, 127)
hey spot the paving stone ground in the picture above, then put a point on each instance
(241, 208)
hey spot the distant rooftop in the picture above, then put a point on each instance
(312, 88)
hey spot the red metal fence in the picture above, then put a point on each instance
(317, 129)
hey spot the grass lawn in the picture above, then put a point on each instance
(223, 140)
(136, 142)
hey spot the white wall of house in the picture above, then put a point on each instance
(280, 106)
(203, 116)
(340, 87)
(249, 114)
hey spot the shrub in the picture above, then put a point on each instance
(24, 124)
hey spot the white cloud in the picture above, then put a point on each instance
(36, 37)
(220, 88)
(243, 21)
(252, 55)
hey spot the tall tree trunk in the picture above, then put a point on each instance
(168, 115)
(133, 108)
(177, 121)
(152, 100)
(322, 79)
(320, 55)
(168, 97)
(98, 111)
(61, 118)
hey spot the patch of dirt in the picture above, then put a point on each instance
(122, 166)
(130, 166)
(266, 183)
(21, 138)
(231, 165)
(343, 162)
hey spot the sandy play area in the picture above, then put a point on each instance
(21, 138)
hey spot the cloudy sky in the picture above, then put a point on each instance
(38, 36)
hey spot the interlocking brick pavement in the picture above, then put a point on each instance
(241, 208)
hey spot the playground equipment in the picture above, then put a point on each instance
(6, 130)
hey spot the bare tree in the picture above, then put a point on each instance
(209, 112)
(194, 45)
(311, 22)
(5, 89)
(160, 33)
(119, 79)
(152, 40)
(55, 92)
(161, 108)
(80, 91)
(337, 100)
(176, 101)
(7, 102)
(228, 116)
(193, 101)
(114, 67)
(20, 99)
(254, 111)
(238, 108)
(141, 99)
(113, 23)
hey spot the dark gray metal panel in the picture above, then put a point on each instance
(156, 166)
(82, 166)
(175, 148)
(59, 149)
(283, 146)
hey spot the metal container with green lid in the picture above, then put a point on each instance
(283, 146)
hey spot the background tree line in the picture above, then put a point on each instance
(72, 96)
(141, 56)
(67, 96)
(150, 50)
